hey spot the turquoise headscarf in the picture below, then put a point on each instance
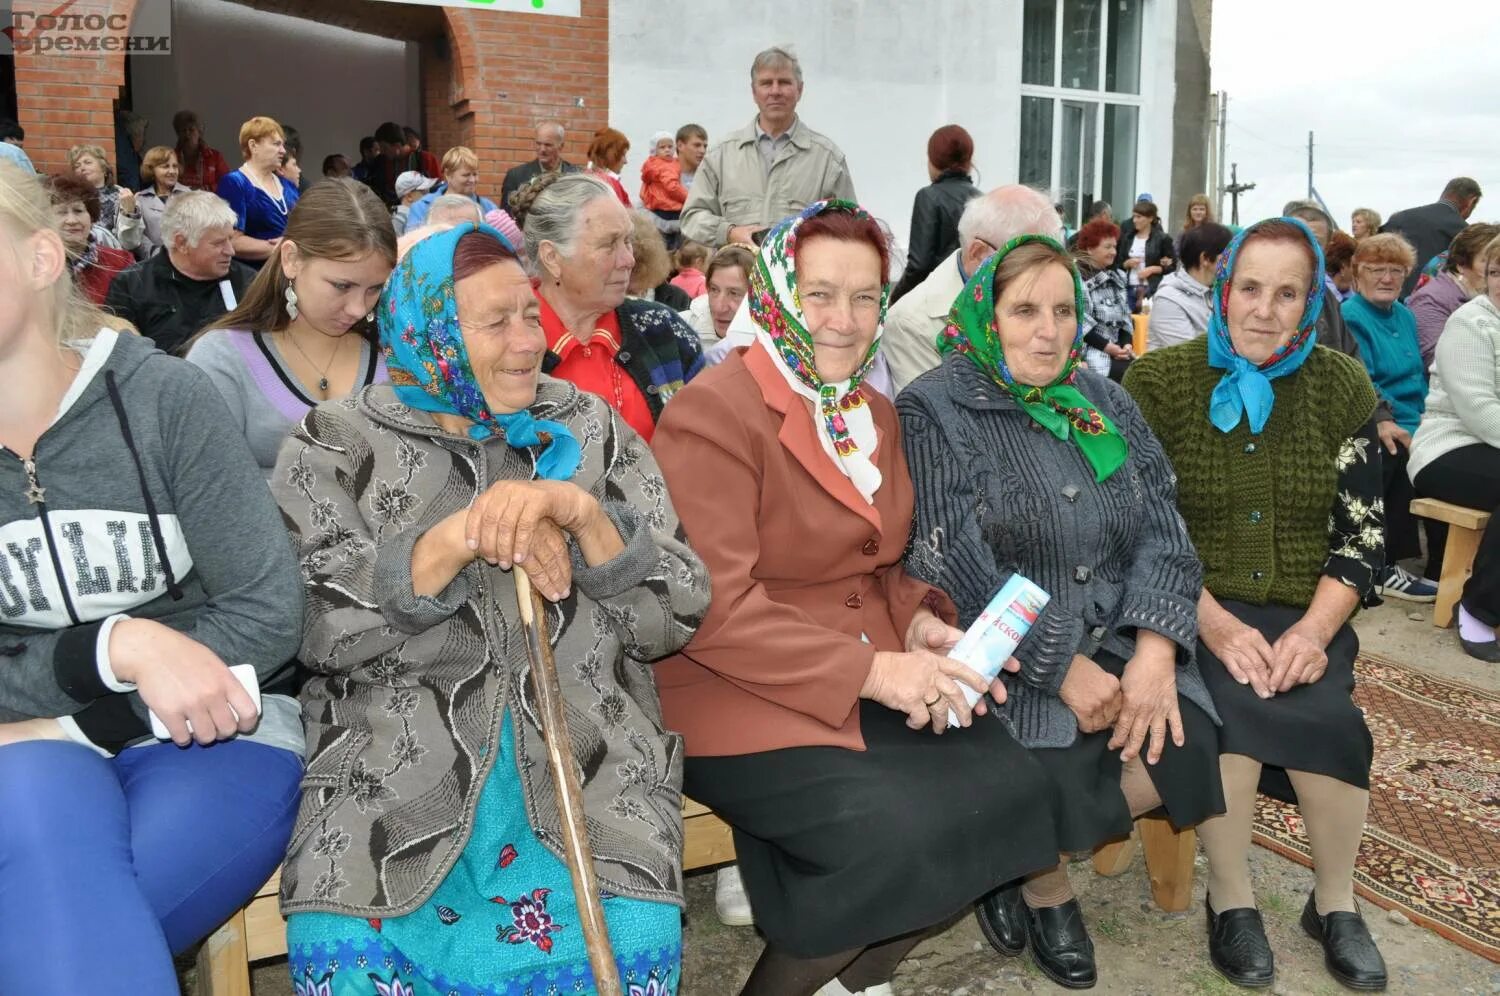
(1245, 390)
(429, 366)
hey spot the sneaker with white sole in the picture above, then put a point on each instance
(730, 900)
(1401, 583)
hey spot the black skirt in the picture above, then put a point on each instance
(840, 849)
(1088, 803)
(1315, 728)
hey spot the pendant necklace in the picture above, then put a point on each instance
(323, 373)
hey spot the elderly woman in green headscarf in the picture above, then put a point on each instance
(1025, 462)
(426, 854)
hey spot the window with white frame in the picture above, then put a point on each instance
(1081, 101)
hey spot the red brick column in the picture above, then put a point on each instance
(66, 99)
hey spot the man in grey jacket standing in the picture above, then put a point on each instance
(772, 168)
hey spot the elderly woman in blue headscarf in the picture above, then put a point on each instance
(425, 858)
(1278, 476)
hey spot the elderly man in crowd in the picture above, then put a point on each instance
(1431, 228)
(773, 167)
(549, 145)
(988, 222)
(172, 295)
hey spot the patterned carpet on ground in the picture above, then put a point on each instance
(1432, 842)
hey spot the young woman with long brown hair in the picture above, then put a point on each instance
(305, 332)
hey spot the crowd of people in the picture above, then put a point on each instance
(766, 468)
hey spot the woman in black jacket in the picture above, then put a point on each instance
(1145, 268)
(935, 212)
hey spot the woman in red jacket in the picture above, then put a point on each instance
(76, 207)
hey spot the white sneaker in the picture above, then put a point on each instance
(730, 901)
(836, 988)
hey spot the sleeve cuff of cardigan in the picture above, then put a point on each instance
(70, 727)
(111, 723)
(1047, 651)
(1168, 614)
(628, 568)
(399, 603)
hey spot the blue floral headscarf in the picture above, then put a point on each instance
(1245, 390)
(429, 366)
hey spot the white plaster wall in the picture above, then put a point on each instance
(880, 76)
(231, 62)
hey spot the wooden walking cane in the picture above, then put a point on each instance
(565, 782)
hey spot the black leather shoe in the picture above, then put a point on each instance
(1349, 952)
(1060, 945)
(1238, 947)
(1002, 920)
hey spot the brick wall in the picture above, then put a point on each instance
(484, 85)
(68, 99)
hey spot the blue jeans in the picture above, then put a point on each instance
(110, 865)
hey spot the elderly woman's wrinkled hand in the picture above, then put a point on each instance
(1299, 659)
(924, 685)
(523, 524)
(1244, 652)
(1148, 707)
(928, 632)
(1092, 693)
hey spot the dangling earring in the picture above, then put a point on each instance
(370, 318)
(291, 302)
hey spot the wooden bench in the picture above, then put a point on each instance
(257, 931)
(1465, 527)
(1169, 860)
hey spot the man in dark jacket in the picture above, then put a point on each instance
(1431, 228)
(549, 144)
(192, 282)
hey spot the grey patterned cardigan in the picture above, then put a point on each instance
(404, 713)
(997, 495)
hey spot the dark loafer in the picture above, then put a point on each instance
(1488, 651)
(1060, 945)
(1238, 947)
(1349, 952)
(1002, 920)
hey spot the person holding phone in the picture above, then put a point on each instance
(143, 556)
(768, 170)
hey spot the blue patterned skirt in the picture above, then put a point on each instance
(502, 923)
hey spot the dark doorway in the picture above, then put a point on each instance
(8, 106)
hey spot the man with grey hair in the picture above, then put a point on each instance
(771, 168)
(194, 279)
(448, 210)
(549, 145)
(988, 222)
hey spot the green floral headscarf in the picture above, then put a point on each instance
(1059, 407)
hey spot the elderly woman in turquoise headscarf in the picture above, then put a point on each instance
(425, 858)
(1278, 473)
(812, 695)
(1027, 463)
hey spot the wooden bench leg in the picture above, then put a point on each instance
(1458, 564)
(224, 960)
(1113, 859)
(1169, 861)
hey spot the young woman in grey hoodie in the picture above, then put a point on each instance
(141, 555)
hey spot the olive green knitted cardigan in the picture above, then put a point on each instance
(1257, 506)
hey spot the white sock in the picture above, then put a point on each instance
(1472, 629)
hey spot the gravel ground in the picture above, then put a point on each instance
(1141, 950)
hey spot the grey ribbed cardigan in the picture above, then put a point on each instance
(996, 494)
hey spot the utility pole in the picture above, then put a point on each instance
(1213, 149)
(1310, 194)
(1223, 127)
(1236, 188)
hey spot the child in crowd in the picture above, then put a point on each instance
(690, 262)
(411, 187)
(662, 192)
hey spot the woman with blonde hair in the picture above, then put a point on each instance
(179, 569)
(607, 159)
(460, 179)
(117, 207)
(261, 197)
(159, 172)
(305, 331)
(1363, 223)
(1199, 210)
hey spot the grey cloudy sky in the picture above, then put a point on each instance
(1397, 94)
